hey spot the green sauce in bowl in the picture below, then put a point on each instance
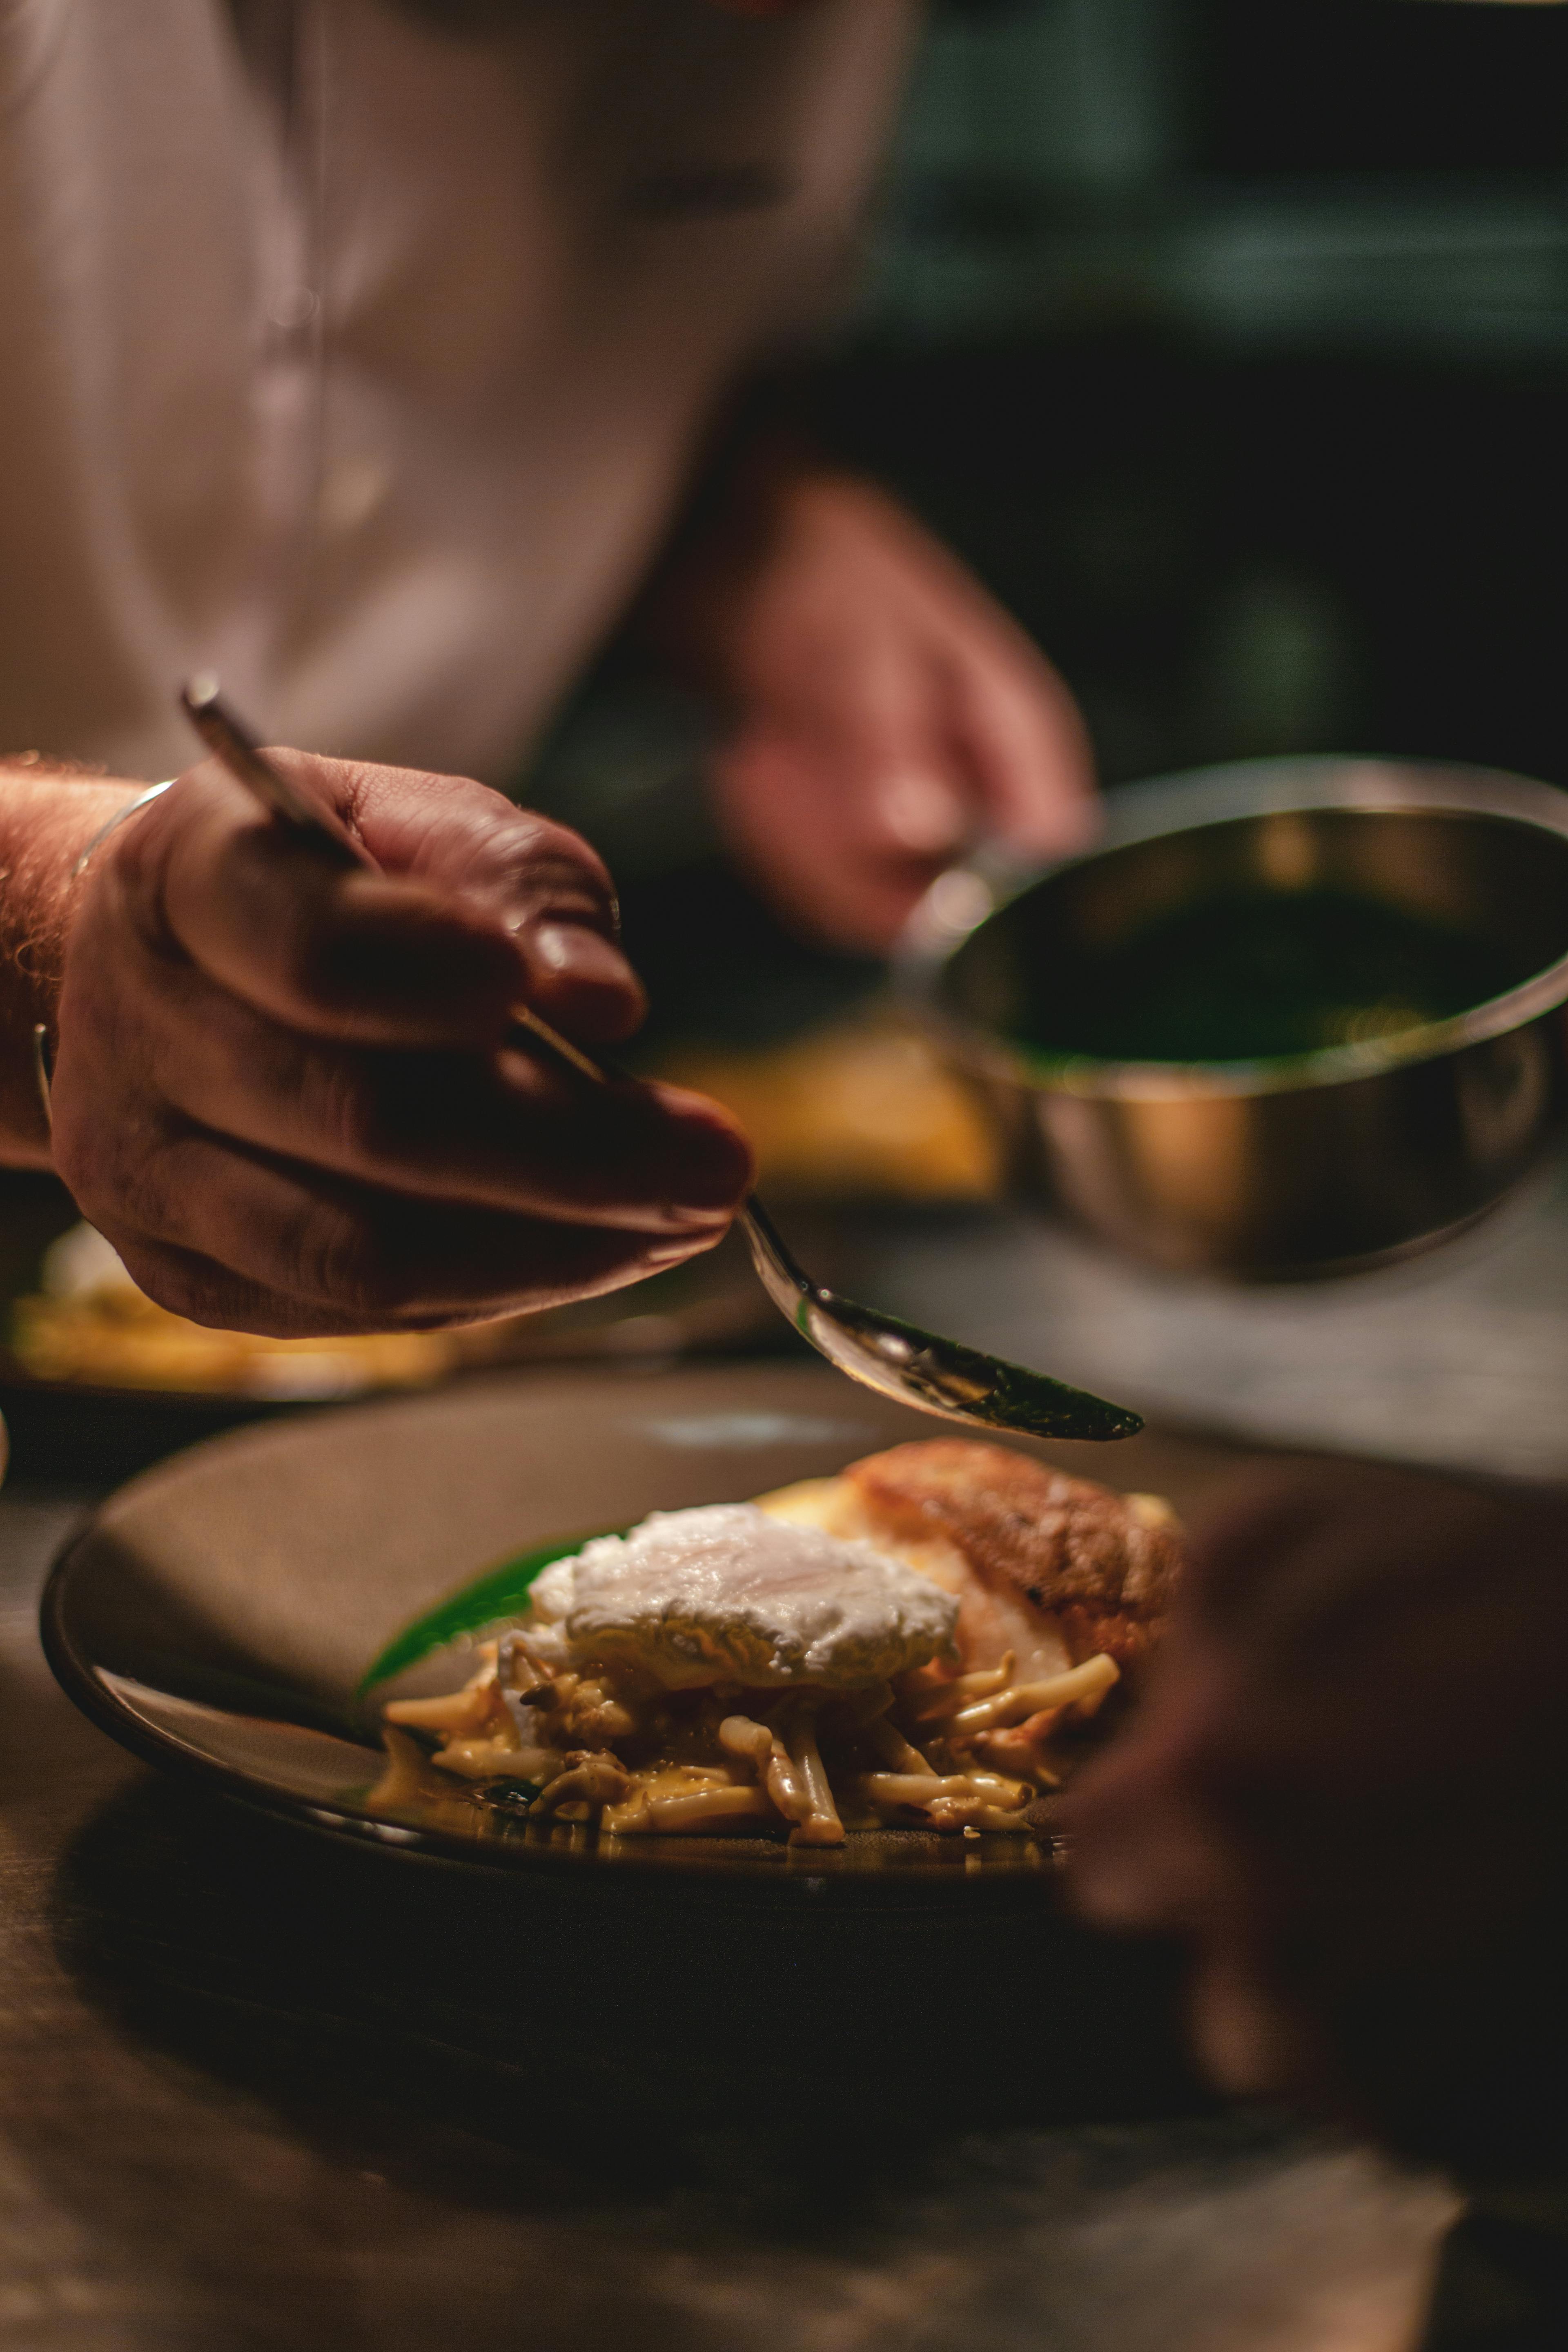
(1257, 974)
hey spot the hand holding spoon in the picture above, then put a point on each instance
(895, 1359)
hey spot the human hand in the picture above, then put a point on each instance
(1347, 1791)
(281, 1090)
(887, 713)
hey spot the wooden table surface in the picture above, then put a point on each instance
(244, 2108)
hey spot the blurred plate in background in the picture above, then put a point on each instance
(100, 1381)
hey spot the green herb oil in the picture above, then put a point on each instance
(1260, 975)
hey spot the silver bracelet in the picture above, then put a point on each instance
(111, 825)
(43, 1071)
(43, 1051)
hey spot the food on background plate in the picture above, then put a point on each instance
(89, 1322)
(860, 1108)
(864, 1107)
(917, 1643)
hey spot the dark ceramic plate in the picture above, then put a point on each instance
(217, 1614)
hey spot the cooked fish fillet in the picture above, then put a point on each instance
(1053, 1567)
(1102, 1565)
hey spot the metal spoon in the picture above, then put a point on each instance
(898, 1359)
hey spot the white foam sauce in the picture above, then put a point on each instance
(726, 1591)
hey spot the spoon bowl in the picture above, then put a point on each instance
(918, 1367)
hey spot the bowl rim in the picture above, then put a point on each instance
(960, 902)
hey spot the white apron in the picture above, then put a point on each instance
(363, 360)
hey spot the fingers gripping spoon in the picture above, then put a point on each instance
(895, 1359)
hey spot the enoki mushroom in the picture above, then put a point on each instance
(948, 1752)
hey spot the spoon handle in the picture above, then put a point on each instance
(232, 742)
(784, 1282)
(301, 811)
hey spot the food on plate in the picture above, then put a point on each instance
(863, 1107)
(1055, 1568)
(89, 1322)
(916, 1642)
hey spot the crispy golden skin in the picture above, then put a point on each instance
(1076, 1552)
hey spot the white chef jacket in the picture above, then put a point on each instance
(363, 360)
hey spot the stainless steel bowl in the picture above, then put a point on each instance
(1299, 1165)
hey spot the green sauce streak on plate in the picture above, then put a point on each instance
(490, 1600)
(1260, 974)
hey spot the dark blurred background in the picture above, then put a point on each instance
(1229, 342)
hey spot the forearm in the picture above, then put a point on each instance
(47, 819)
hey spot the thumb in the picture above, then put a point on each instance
(1027, 749)
(916, 810)
(910, 797)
